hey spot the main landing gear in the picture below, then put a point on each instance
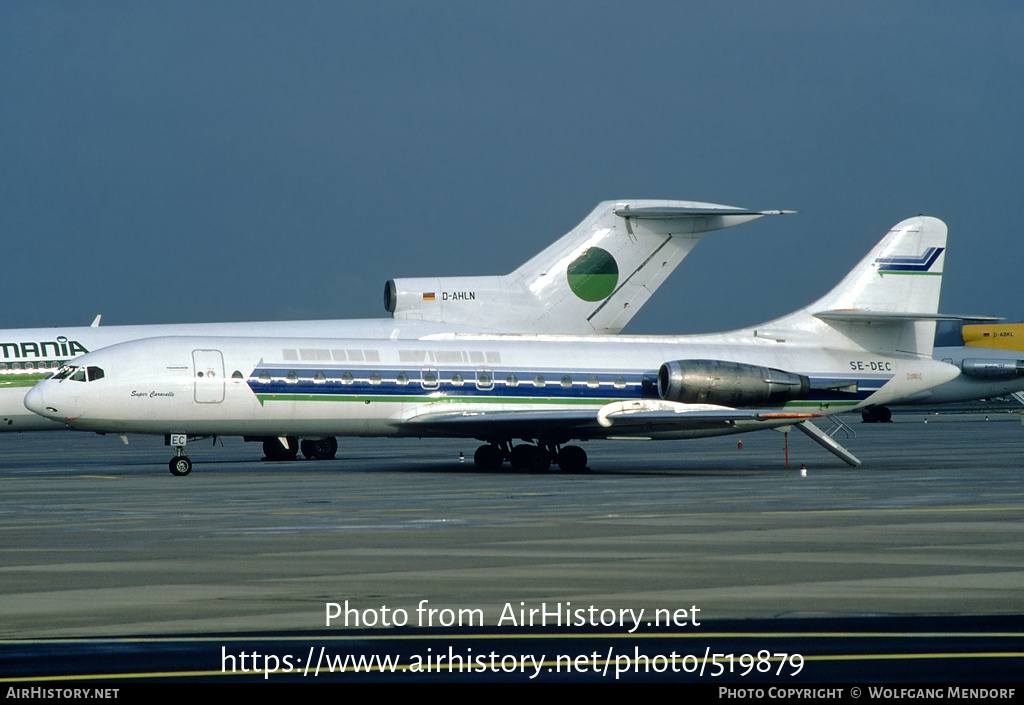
(527, 457)
(316, 449)
(281, 448)
(876, 414)
(320, 449)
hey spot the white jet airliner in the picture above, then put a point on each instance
(592, 280)
(868, 342)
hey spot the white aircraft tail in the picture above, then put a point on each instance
(889, 302)
(592, 280)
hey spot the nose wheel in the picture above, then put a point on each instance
(180, 465)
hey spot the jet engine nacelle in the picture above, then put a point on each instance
(992, 369)
(728, 383)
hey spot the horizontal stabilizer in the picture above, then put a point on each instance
(663, 213)
(863, 316)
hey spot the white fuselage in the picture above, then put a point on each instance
(28, 355)
(314, 387)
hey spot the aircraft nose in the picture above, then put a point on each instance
(36, 401)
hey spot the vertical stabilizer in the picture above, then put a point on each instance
(890, 300)
(592, 280)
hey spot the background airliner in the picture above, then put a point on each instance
(868, 342)
(592, 280)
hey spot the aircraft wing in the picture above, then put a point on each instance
(614, 419)
(575, 423)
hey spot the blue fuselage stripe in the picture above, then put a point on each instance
(558, 384)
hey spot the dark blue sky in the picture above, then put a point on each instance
(203, 161)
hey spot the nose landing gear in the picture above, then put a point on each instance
(180, 465)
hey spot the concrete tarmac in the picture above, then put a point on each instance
(100, 540)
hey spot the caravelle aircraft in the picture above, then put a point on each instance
(592, 280)
(867, 342)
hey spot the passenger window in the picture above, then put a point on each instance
(566, 382)
(402, 379)
(512, 381)
(592, 382)
(375, 378)
(292, 378)
(484, 379)
(264, 377)
(457, 380)
(319, 378)
(538, 381)
(428, 378)
(347, 378)
(236, 375)
(619, 383)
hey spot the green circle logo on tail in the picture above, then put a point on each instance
(593, 275)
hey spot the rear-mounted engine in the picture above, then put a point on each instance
(728, 383)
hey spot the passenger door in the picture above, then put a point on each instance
(208, 372)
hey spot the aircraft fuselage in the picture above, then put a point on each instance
(370, 387)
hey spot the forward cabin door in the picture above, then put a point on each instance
(208, 372)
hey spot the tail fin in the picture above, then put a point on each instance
(1004, 336)
(592, 280)
(889, 301)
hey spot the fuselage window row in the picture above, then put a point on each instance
(431, 379)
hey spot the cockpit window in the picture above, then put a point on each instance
(79, 374)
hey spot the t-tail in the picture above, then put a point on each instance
(592, 280)
(888, 303)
